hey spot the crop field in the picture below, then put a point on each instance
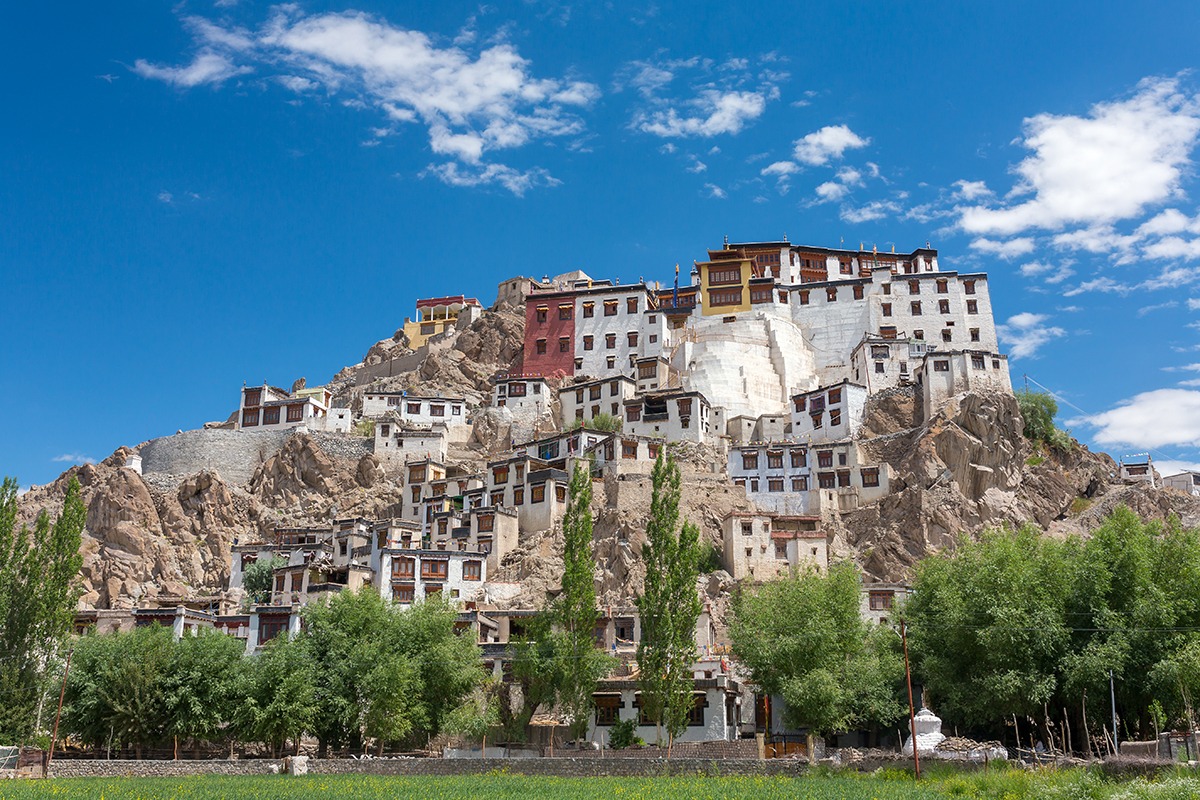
(1012, 785)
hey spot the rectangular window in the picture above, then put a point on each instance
(629, 448)
(919, 335)
(726, 297)
(685, 407)
(800, 484)
(565, 312)
(253, 397)
(472, 570)
(942, 286)
(774, 484)
(825, 458)
(831, 294)
(295, 413)
(560, 492)
(968, 287)
(774, 460)
(915, 308)
(518, 495)
(835, 418)
(610, 340)
(589, 309)
(974, 334)
(564, 344)
(540, 347)
(835, 396)
(914, 287)
(633, 338)
(843, 478)
(631, 305)
(404, 568)
(487, 522)
(799, 402)
(941, 366)
(972, 306)
(610, 308)
(608, 709)
(887, 331)
(887, 309)
(826, 480)
(879, 368)
(761, 295)
(799, 458)
(887, 288)
(858, 292)
(804, 297)
(943, 306)
(249, 418)
(947, 335)
(542, 311)
(538, 493)
(633, 412)
(870, 476)
(724, 276)
(434, 570)
(403, 594)
(977, 362)
(652, 451)
(881, 601)
(270, 416)
(437, 410)
(594, 392)
(588, 341)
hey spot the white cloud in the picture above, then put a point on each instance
(832, 191)
(516, 181)
(1107, 166)
(1171, 466)
(22, 490)
(780, 169)
(829, 142)
(1193, 304)
(695, 165)
(165, 197)
(719, 104)
(206, 67)
(1026, 333)
(971, 190)
(472, 102)
(715, 191)
(73, 458)
(711, 113)
(1050, 273)
(1151, 419)
(1150, 309)
(872, 211)
(1008, 250)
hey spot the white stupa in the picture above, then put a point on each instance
(929, 733)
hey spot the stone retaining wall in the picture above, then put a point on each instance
(234, 455)
(556, 767)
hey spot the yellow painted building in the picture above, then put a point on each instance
(435, 316)
(725, 282)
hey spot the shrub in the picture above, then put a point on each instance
(623, 734)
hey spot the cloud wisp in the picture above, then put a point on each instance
(472, 103)
(1026, 333)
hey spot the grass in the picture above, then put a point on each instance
(999, 784)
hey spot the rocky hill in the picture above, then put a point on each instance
(168, 535)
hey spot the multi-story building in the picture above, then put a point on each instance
(797, 478)
(436, 315)
(268, 407)
(587, 400)
(675, 415)
(760, 546)
(1186, 481)
(828, 414)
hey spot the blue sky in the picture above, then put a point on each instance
(198, 194)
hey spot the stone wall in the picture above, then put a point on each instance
(573, 767)
(234, 455)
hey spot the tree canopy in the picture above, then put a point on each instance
(802, 639)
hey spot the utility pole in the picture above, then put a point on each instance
(61, 694)
(1112, 694)
(912, 714)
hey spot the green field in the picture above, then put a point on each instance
(1004, 785)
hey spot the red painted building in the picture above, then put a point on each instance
(550, 334)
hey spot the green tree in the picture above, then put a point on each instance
(278, 695)
(258, 579)
(609, 423)
(669, 605)
(1038, 410)
(38, 592)
(535, 676)
(575, 613)
(987, 625)
(802, 639)
(117, 688)
(202, 686)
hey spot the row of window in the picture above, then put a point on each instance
(566, 311)
(869, 477)
(608, 707)
(404, 568)
(943, 307)
(817, 402)
(914, 287)
(270, 415)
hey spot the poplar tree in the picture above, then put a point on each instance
(669, 605)
(38, 592)
(575, 613)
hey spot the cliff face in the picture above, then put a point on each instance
(167, 535)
